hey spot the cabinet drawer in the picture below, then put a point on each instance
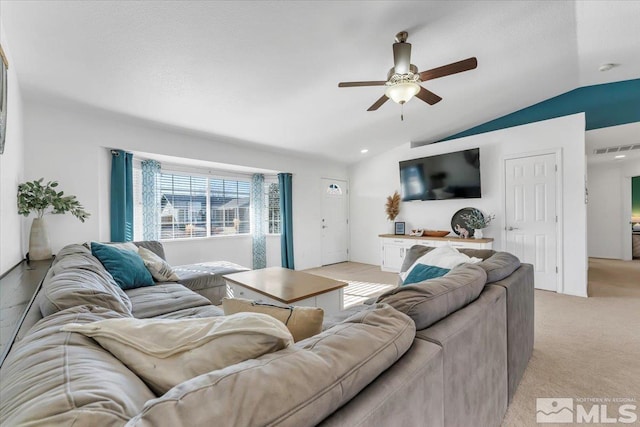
(242, 292)
(431, 243)
(460, 245)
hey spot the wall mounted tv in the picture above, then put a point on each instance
(446, 176)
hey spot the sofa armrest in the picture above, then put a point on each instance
(474, 343)
(520, 322)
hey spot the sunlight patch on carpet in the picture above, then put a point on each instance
(358, 292)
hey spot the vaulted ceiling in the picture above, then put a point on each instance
(267, 72)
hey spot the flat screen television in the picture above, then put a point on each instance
(446, 176)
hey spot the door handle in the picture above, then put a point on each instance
(512, 228)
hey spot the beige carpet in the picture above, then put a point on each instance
(365, 280)
(584, 347)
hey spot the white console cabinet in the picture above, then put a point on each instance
(394, 248)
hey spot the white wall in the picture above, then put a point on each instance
(608, 211)
(11, 166)
(228, 248)
(71, 146)
(604, 211)
(373, 179)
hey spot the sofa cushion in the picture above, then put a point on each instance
(499, 266)
(443, 257)
(206, 274)
(160, 270)
(77, 278)
(298, 386)
(427, 302)
(193, 313)
(166, 352)
(302, 322)
(60, 378)
(163, 298)
(126, 266)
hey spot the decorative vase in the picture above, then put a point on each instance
(477, 233)
(39, 246)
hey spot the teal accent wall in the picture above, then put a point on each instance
(604, 105)
(635, 196)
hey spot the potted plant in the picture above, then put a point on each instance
(477, 220)
(35, 197)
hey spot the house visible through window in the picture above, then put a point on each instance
(183, 206)
(230, 206)
(272, 207)
(191, 206)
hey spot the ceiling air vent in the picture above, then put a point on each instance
(618, 149)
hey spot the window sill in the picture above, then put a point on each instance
(219, 236)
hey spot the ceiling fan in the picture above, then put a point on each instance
(403, 79)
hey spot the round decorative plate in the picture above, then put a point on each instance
(459, 225)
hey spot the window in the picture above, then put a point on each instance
(272, 207)
(334, 190)
(190, 206)
(183, 206)
(230, 206)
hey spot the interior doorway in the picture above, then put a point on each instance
(532, 194)
(335, 221)
(634, 247)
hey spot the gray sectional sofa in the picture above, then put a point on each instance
(394, 362)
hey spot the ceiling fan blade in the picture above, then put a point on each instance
(378, 103)
(445, 70)
(356, 84)
(401, 57)
(428, 96)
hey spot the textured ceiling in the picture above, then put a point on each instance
(267, 72)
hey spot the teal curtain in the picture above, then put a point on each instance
(257, 222)
(286, 213)
(150, 202)
(121, 196)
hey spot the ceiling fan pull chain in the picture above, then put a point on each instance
(402, 112)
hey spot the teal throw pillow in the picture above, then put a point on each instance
(126, 267)
(422, 272)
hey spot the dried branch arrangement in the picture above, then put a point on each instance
(392, 206)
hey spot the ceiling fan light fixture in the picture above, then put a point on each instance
(402, 92)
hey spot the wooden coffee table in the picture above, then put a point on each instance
(283, 286)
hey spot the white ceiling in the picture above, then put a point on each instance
(266, 72)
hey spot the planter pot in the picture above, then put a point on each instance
(39, 246)
(477, 233)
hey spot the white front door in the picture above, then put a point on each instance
(335, 223)
(530, 215)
